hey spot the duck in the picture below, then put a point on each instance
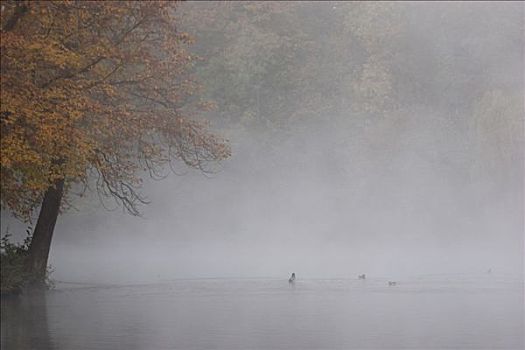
(292, 278)
(362, 277)
(392, 283)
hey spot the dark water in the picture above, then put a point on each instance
(433, 312)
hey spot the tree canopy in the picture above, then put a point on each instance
(96, 93)
(368, 70)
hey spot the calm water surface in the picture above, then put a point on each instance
(422, 313)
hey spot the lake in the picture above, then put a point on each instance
(440, 311)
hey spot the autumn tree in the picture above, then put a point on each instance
(270, 64)
(96, 94)
(277, 69)
(282, 68)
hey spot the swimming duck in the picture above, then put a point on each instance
(292, 278)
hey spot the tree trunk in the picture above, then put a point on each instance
(36, 264)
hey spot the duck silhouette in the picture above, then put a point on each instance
(292, 278)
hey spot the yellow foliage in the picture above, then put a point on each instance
(94, 90)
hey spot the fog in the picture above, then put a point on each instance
(416, 190)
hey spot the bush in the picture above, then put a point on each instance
(13, 275)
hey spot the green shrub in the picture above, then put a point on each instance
(13, 276)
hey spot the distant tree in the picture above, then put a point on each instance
(95, 93)
(498, 140)
(267, 64)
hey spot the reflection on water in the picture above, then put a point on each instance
(437, 312)
(24, 323)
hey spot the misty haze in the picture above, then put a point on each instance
(262, 175)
